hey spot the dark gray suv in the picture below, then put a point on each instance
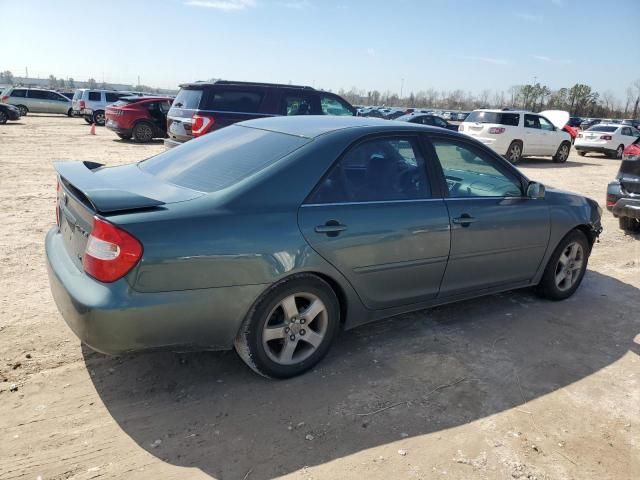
(203, 107)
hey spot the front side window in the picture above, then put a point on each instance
(332, 106)
(531, 121)
(382, 169)
(39, 94)
(472, 173)
(94, 96)
(57, 97)
(233, 101)
(438, 122)
(546, 124)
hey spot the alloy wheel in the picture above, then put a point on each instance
(99, 118)
(514, 153)
(569, 266)
(563, 154)
(295, 328)
(143, 133)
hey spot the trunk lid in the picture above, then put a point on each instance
(559, 118)
(86, 189)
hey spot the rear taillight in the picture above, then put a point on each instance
(605, 137)
(201, 124)
(496, 130)
(110, 252)
(4, 98)
(632, 152)
(611, 201)
(81, 104)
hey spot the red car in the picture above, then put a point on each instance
(140, 118)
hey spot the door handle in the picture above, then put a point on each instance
(332, 228)
(465, 220)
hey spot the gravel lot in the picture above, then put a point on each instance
(508, 386)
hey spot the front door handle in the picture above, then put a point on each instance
(332, 228)
(465, 220)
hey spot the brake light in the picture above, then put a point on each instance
(632, 152)
(496, 130)
(4, 98)
(605, 137)
(81, 104)
(201, 124)
(110, 252)
(611, 202)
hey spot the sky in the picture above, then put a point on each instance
(411, 45)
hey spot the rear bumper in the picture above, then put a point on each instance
(119, 130)
(593, 148)
(620, 203)
(113, 318)
(169, 143)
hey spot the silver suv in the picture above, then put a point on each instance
(36, 100)
(91, 103)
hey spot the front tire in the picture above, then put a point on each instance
(566, 268)
(562, 154)
(514, 152)
(290, 328)
(628, 224)
(3, 118)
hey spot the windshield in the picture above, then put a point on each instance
(512, 119)
(222, 158)
(600, 128)
(188, 98)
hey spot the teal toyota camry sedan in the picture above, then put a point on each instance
(272, 235)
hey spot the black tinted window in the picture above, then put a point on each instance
(39, 94)
(600, 128)
(383, 169)
(296, 105)
(56, 96)
(222, 158)
(94, 96)
(531, 121)
(188, 98)
(112, 97)
(233, 101)
(19, 92)
(510, 119)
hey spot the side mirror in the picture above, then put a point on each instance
(535, 190)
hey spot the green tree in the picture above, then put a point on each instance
(61, 83)
(7, 77)
(71, 83)
(53, 81)
(91, 83)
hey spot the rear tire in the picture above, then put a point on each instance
(617, 153)
(23, 110)
(70, 113)
(98, 118)
(514, 152)
(3, 118)
(562, 154)
(566, 267)
(290, 328)
(143, 132)
(629, 224)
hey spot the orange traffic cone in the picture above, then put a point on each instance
(93, 129)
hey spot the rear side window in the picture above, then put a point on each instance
(188, 98)
(233, 101)
(332, 106)
(112, 97)
(19, 92)
(39, 94)
(94, 96)
(509, 119)
(222, 158)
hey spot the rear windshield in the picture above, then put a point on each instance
(510, 119)
(222, 158)
(188, 98)
(233, 101)
(600, 128)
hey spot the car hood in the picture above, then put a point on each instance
(559, 118)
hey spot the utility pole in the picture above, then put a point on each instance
(26, 72)
(401, 87)
(138, 79)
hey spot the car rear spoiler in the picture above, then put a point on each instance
(81, 179)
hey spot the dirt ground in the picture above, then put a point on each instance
(507, 386)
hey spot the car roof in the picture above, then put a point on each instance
(608, 124)
(499, 110)
(244, 84)
(311, 126)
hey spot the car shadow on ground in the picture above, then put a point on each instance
(541, 162)
(155, 141)
(211, 412)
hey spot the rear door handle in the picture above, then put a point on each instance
(465, 220)
(332, 228)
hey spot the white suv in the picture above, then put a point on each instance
(91, 103)
(518, 133)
